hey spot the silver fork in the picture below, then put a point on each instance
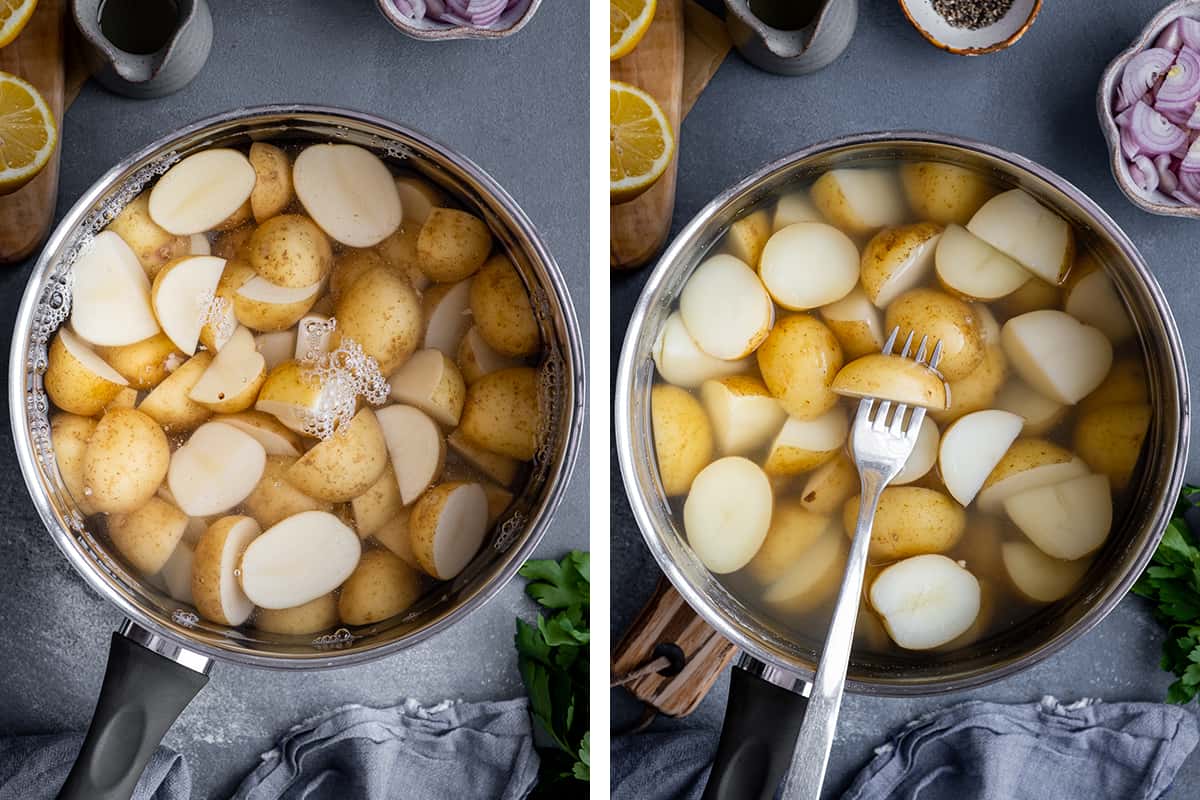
(880, 450)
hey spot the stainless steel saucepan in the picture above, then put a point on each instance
(769, 684)
(162, 654)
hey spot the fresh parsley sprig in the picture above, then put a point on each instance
(553, 659)
(1172, 583)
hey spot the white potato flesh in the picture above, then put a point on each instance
(417, 199)
(1093, 300)
(971, 267)
(727, 513)
(859, 200)
(926, 601)
(989, 328)
(1065, 520)
(276, 347)
(1039, 412)
(991, 499)
(235, 606)
(261, 290)
(502, 469)
(803, 444)
(726, 309)
(348, 192)
(794, 207)
(182, 293)
(416, 447)
(111, 294)
(459, 529)
(275, 437)
(743, 414)
(924, 454)
(1056, 354)
(313, 336)
(1038, 576)
(88, 359)
(236, 367)
(1022, 228)
(448, 318)
(814, 577)
(217, 468)
(201, 191)
(176, 574)
(299, 559)
(809, 264)
(972, 447)
(681, 361)
(477, 358)
(856, 309)
(432, 382)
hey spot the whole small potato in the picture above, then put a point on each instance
(144, 364)
(798, 361)
(978, 390)
(147, 536)
(75, 381)
(272, 181)
(503, 413)
(380, 587)
(502, 311)
(683, 437)
(290, 251)
(910, 521)
(1125, 383)
(793, 530)
(311, 617)
(275, 499)
(941, 317)
(351, 265)
(382, 313)
(346, 464)
(169, 404)
(944, 193)
(69, 437)
(152, 245)
(126, 461)
(452, 245)
(1110, 439)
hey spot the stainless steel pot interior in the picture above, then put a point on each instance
(1134, 536)
(46, 301)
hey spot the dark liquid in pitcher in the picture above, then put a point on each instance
(786, 15)
(140, 27)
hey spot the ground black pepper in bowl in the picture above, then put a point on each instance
(972, 14)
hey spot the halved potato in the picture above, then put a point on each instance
(298, 560)
(231, 382)
(829, 486)
(1065, 520)
(216, 591)
(152, 245)
(1090, 297)
(923, 456)
(147, 536)
(69, 437)
(169, 404)
(1039, 577)
(418, 197)
(793, 207)
(1110, 439)
(125, 461)
(349, 192)
(201, 191)
(382, 313)
(892, 377)
(806, 444)
(477, 358)
(972, 447)
(897, 260)
(1034, 295)
(345, 465)
(1039, 412)
(274, 498)
(1033, 235)
(973, 269)
(144, 364)
(110, 294)
(945, 319)
(683, 437)
(943, 193)
(856, 323)
(502, 311)
(447, 527)
(447, 311)
(859, 201)
(272, 191)
(215, 469)
(178, 293)
(743, 413)
(1125, 383)
(807, 265)
(431, 381)
(813, 579)
(911, 520)
(396, 536)
(76, 379)
(798, 361)
(977, 391)
(378, 505)
(1028, 464)
(289, 250)
(380, 587)
(502, 469)
(926, 601)
(416, 447)
(793, 531)
(262, 306)
(746, 237)
(305, 619)
(1056, 354)
(503, 413)
(681, 361)
(452, 245)
(727, 513)
(726, 308)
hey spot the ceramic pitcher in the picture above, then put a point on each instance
(792, 52)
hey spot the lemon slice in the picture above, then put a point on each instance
(628, 21)
(13, 16)
(641, 143)
(27, 133)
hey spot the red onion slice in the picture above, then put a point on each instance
(467, 13)
(1189, 184)
(1171, 38)
(1167, 182)
(1143, 174)
(1151, 133)
(1141, 74)
(1180, 89)
(1189, 31)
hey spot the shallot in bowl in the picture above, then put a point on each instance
(458, 19)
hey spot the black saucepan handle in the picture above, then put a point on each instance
(142, 695)
(762, 720)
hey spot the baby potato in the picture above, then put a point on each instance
(1110, 439)
(290, 251)
(125, 462)
(727, 513)
(806, 444)
(152, 245)
(476, 358)
(944, 193)
(747, 237)
(725, 308)
(859, 201)
(146, 537)
(345, 465)
(798, 361)
(452, 245)
(382, 313)
(76, 379)
(1125, 383)
(911, 520)
(830, 485)
(681, 361)
(375, 507)
(399, 250)
(349, 266)
(1019, 226)
(216, 590)
(275, 499)
(807, 265)
(856, 323)
(1027, 464)
(897, 260)
(169, 404)
(683, 438)
(144, 364)
(743, 413)
(503, 413)
(813, 579)
(380, 587)
(794, 207)
(1033, 295)
(892, 377)
(978, 390)
(272, 191)
(311, 617)
(1039, 412)
(933, 313)
(69, 437)
(447, 527)
(501, 309)
(793, 530)
(418, 197)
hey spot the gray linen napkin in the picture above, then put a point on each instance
(35, 767)
(454, 750)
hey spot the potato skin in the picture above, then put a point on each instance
(169, 404)
(72, 386)
(976, 391)
(290, 250)
(380, 587)
(206, 569)
(1110, 439)
(381, 312)
(798, 361)
(69, 437)
(144, 364)
(345, 465)
(891, 249)
(1125, 383)
(272, 191)
(351, 265)
(378, 505)
(275, 499)
(126, 461)
(502, 311)
(147, 536)
(829, 486)
(683, 437)
(423, 524)
(452, 245)
(502, 413)
(940, 316)
(152, 245)
(311, 617)
(910, 521)
(793, 530)
(943, 193)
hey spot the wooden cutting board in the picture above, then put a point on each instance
(37, 56)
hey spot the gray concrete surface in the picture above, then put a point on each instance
(516, 108)
(1035, 99)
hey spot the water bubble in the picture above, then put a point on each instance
(185, 618)
(345, 374)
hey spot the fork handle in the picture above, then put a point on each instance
(811, 756)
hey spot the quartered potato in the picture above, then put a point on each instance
(892, 377)
(345, 465)
(502, 413)
(110, 294)
(501, 309)
(1039, 577)
(807, 265)
(231, 382)
(926, 601)
(683, 437)
(69, 437)
(1110, 439)
(125, 462)
(78, 380)
(943, 318)
(829, 486)
(725, 308)
(476, 358)
(274, 498)
(798, 361)
(1056, 354)
(974, 270)
(215, 469)
(943, 193)
(298, 560)
(743, 413)
(1039, 412)
(856, 323)
(794, 529)
(432, 382)
(170, 404)
(793, 207)
(681, 361)
(447, 527)
(452, 245)
(382, 313)
(1090, 297)
(813, 579)
(416, 448)
(1028, 464)
(727, 513)
(147, 536)
(176, 293)
(971, 448)
(273, 190)
(349, 192)
(216, 590)
(978, 390)
(381, 586)
(924, 454)
(447, 311)
(747, 237)
(804, 444)
(202, 191)
(1033, 235)
(1065, 520)
(859, 201)
(290, 251)
(911, 520)
(152, 245)
(897, 260)
(144, 364)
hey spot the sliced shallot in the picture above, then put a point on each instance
(1141, 74)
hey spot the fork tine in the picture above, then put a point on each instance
(907, 345)
(921, 350)
(937, 355)
(914, 424)
(891, 341)
(897, 427)
(863, 416)
(880, 423)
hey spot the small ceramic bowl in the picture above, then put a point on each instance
(964, 42)
(509, 23)
(1155, 202)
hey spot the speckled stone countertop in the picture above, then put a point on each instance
(516, 108)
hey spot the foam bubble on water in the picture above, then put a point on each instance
(315, 335)
(185, 618)
(346, 374)
(216, 312)
(339, 638)
(509, 530)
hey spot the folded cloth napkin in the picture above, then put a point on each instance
(453, 750)
(669, 763)
(35, 767)
(988, 751)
